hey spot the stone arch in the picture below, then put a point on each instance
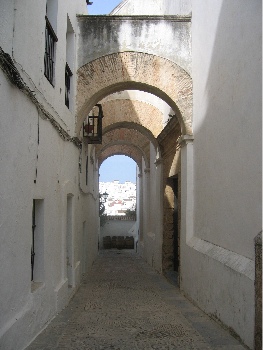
(131, 138)
(135, 71)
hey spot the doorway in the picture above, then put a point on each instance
(176, 247)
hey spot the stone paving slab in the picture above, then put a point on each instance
(123, 304)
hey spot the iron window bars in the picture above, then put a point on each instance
(33, 239)
(68, 75)
(49, 60)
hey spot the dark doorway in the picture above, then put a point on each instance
(175, 226)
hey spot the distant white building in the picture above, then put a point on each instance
(121, 196)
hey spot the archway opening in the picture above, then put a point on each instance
(118, 203)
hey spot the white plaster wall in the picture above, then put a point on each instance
(168, 38)
(227, 123)
(6, 25)
(25, 313)
(156, 214)
(119, 228)
(47, 170)
(219, 228)
(151, 247)
(153, 7)
(29, 34)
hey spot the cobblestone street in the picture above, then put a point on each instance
(123, 304)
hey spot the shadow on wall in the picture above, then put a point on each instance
(227, 100)
(227, 127)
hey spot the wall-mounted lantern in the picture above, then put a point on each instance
(92, 127)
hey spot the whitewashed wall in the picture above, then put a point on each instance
(226, 164)
(47, 170)
(153, 7)
(119, 228)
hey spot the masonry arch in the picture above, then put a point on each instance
(135, 143)
(135, 71)
(142, 113)
(147, 134)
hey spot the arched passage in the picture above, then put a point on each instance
(132, 126)
(135, 71)
(159, 77)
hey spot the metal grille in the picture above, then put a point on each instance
(68, 74)
(49, 60)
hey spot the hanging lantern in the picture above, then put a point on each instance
(92, 127)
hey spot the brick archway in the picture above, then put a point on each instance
(135, 71)
(129, 141)
(147, 134)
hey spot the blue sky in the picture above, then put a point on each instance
(102, 7)
(120, 168)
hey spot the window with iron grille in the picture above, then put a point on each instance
(33, 239)
(49, 60)
(68, 75)
(37, 243)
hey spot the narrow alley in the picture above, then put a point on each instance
(123, 304)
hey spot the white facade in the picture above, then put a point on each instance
(38, 165)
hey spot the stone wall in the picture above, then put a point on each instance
(171, 168)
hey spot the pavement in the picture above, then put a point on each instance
(123, 304)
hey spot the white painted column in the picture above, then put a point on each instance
(158, 218)
(146, 199)
(139, 206)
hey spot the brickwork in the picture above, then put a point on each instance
(116, 111)
(169, 146)
(134, 70)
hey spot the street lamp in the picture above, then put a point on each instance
(102, 199)
(104, 196)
